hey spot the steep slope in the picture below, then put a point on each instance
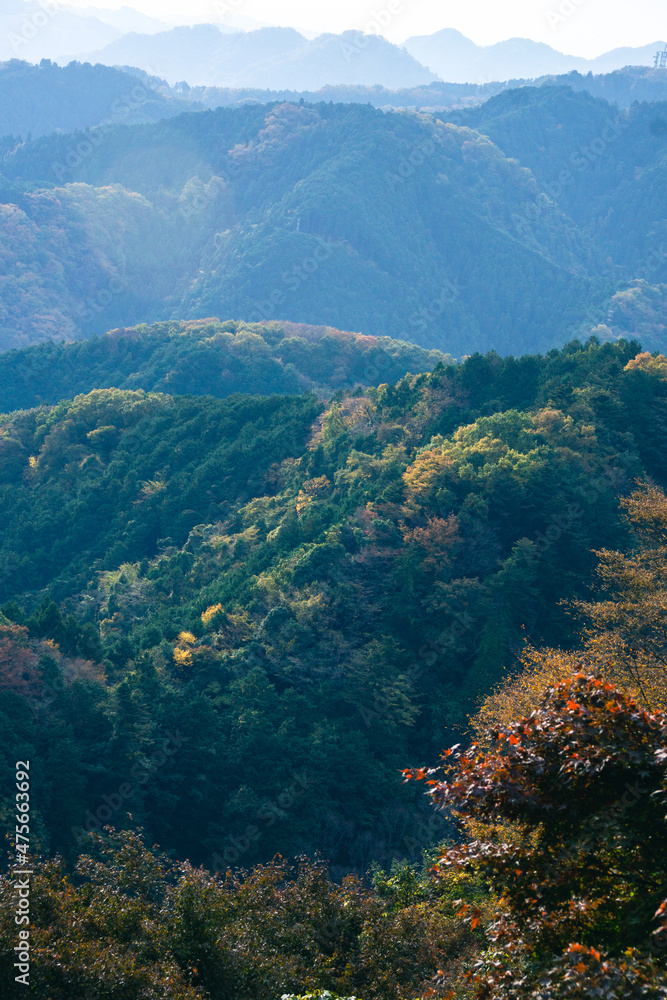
(393, 224)
(101, 438)
(606, 171)
(78, 258)
(298, 590)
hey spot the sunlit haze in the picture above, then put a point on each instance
(578, 27)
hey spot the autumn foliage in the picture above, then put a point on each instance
(626, 629)
(130, 924)
(574, 846)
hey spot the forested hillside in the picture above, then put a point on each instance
(206, 357)
(391, 224)
(332, 642)
(36, 100)
(235, 622)
(622, 87)
(604, 172)
(329, 587)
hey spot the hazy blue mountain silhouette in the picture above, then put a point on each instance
(268, 57)
(33, 32)
(457, 59)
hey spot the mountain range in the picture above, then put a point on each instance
(457, 59)
(281, 58)
(37, 100)
(219, 54)
(622, 87)
(268, 57)
(33, 31)
(394, 224)
(511, 226)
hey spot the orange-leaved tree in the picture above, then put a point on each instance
(581, 877)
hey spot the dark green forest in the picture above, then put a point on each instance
(328, 586)
(206, 357)
(579, 156)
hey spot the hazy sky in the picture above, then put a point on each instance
(578, 27)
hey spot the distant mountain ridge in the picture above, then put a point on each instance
(32, 30)
(279, 58)
(457, 59)
(37, 100)
(622, 87)
(282, 58)
(267, 57)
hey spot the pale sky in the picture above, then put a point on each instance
(577, 27)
